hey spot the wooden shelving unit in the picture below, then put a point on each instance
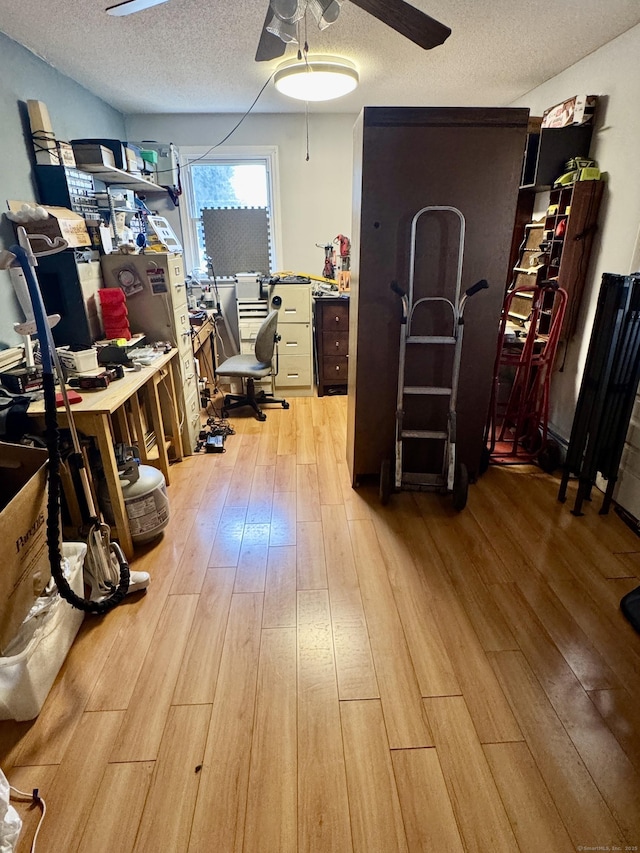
(117, 177)
(558, 248)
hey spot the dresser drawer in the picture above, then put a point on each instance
(202, 333)
(335, 343)
(334, 316)
(335, 369)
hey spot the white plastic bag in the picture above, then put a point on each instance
(10, 823)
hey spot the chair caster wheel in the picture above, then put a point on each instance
(261, 416)
(285, 405)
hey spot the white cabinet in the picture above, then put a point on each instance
(162, 314)
(295, 350)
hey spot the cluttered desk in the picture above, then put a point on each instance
(138, 409)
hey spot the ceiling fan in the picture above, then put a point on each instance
(128, 7)
(280, 26)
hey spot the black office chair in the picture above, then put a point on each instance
(252, 367)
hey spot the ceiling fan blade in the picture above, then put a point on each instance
(407, 20)
(269, 46)
(127, 7)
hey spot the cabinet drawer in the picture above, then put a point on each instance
(185, 350)
(168, 271)
(182, 328)
(296, 303)
(249, 309)
(192, 425)
(201, 333)
(188, 373)
(294, 370)
(295, 339)
(335, 369)
(179, 296)
(335, 316)
(175, 269)
(335, 343)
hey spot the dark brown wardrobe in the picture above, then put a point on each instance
(407, 158)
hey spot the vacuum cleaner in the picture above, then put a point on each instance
(106, 568)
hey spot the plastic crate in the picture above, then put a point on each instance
(27, 675)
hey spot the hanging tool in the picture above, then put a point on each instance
(328, 271)
(345, 245)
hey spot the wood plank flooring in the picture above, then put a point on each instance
(310, 671)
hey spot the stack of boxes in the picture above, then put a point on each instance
(114, 314)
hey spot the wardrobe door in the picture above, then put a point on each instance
(406, 159)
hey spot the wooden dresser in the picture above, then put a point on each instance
(331, 319)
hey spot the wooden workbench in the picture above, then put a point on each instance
(119, 412)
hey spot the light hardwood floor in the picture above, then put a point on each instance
(310, 671)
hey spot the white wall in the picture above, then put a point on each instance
(613, 73)
(74, 112)
(315, 196)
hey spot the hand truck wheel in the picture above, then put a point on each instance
(460, 487)
(385, 481)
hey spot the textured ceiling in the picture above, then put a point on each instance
(198, 55)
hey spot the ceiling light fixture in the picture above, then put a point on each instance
(128, 7)
(318, 78)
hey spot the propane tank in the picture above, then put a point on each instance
(145, 499)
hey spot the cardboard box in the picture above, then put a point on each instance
(61, 223)
(48, 150)
(135, 163)
(93, 154)
(65, 154)
(577, 110)
(114, 145)
(30, 667)
(24, 569)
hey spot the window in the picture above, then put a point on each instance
(235, 178)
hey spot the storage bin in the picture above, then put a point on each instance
(78, 361)
(35, 657)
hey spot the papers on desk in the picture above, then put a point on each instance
(146, 355)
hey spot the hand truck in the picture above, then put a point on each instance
(453, 477)
(517, 430)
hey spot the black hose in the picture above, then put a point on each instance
(53, 512)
